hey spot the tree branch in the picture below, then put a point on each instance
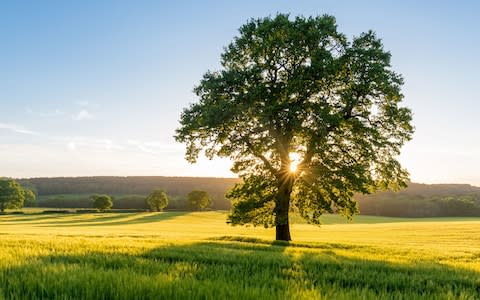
(261, 157)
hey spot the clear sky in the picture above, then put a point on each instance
(97, 87)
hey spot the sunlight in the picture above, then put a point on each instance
(294, 161)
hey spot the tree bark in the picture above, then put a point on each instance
(282, 232)
(285, 180)
(282, 206)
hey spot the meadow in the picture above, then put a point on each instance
(185, 255)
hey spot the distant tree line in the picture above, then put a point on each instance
(422, 200)
(418, 200)
(128, 192)
(157, 200)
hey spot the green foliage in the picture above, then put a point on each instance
(257, 204)
(157, 200)
(198, 200)
(102, 202)
(30, 198)
(298, 87)
(11, 194)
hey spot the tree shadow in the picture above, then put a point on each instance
(74, 218)
(232, 270)
(34, 217)
(123, 219)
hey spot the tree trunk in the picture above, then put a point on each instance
(282, 206)
(282, 232)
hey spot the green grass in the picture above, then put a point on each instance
(180, 255)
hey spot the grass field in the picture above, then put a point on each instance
(180, 255)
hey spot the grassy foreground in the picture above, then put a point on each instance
(179, 255)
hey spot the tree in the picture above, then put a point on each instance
(157, 200)
(30, 198)
(102, 202)
(11, 194)
(307, 117)
(198, 200)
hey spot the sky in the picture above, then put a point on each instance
(97, 87)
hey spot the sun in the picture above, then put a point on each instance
(294, 161)
(293, 166)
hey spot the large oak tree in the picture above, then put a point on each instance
(308, 118)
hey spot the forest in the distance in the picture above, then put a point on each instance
(128, 192)
(418, 200)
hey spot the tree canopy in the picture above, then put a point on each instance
(157, 200)
(308, 118)
(198, 199)
(11, 194)
(102, 202)
(30, 197)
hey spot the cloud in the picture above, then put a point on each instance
(153, 147)
(87, 104)
(46, 114)
(16, 128)
(110, 145)
(85, 112)
(82, 115)
(88, 143)
(141, 146)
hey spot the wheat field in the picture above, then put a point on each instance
(182, 255)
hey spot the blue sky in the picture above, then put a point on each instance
(97, 87)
